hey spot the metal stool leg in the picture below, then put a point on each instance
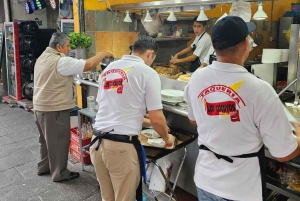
(178, 173)
(166, 180)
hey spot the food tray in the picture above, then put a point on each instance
(182, 139)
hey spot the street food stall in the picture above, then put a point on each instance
(177, 76)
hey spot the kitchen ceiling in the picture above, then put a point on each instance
(177, 5)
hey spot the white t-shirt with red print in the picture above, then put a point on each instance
(127, 87)
(235, 113)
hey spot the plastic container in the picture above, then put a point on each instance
(91, 102)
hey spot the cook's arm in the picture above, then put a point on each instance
(295, 153)
(146, 122)
(184, 51)
(95, 60)
(175, 59)
(159, 123)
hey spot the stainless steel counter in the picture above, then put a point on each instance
(176, 109)
(87, 82)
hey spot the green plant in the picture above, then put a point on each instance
(79, 40)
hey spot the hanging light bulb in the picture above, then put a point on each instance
(53, 4)
(33, 5)
(202, 16)
(28, 8)
(148, 18)
(260, 13)
(127, 18)
(172, 17)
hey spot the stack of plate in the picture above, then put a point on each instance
(172, 96)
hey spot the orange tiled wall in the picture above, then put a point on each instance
(116, 42)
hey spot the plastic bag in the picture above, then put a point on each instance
(157, 182)
(153, 27)
(241, 9)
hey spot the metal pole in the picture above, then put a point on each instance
(287, 87)
(293, 53)
(7, 11)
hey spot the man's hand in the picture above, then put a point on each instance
(169, 141)
(107, 54)
(174, 60)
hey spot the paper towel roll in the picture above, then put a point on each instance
(91, 102)
(285, 55)
(271, 56)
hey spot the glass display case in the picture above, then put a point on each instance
(1, 41)
(67, 26)
(12, 61)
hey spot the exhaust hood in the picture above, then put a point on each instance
(178, 5)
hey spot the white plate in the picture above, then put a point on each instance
(172, 93)
(150, 133)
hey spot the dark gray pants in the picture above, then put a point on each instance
(54, 139)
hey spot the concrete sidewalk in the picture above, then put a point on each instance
(19, 152)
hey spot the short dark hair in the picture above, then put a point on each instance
(228, 51)
(201, 22)
(144, 43)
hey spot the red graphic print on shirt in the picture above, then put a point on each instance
(117, 83)
(224, 108)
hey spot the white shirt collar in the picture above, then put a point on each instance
(133, 58)
(227, 67)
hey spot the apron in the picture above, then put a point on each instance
(196, 63)
(138, 147)
(212, 57)
(261, 159)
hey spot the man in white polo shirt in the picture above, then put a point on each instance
(127, 88)
(199, 47)
(236, 114)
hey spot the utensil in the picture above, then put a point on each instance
(96, 76)
(90, 76)
(84, 75)
(105, 62)
(150, 133)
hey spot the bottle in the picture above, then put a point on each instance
(178, 31)
(83, 130)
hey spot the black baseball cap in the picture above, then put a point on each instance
(230, 31)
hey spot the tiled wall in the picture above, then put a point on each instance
(109, 33)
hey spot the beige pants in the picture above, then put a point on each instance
(54, 139)
(117, 169)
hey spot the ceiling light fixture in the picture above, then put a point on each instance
(172, 16)
(260, 13)
(53, 4)
(202, 16)
(148, 18)
(127, 18)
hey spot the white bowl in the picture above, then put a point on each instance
(150, 133)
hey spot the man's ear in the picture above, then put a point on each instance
(148, 54)
(58, 47)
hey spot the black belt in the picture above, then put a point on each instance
(125, 139)
(261, 159)
(114, 137)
